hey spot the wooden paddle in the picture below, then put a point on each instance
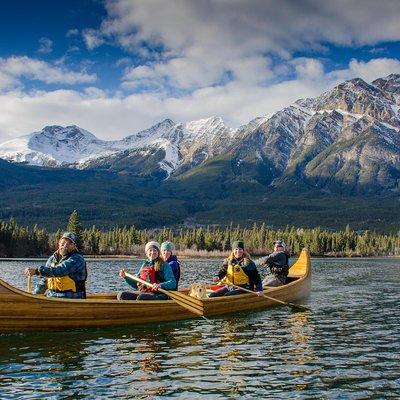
(193, 305)
(290, 305)
(29, 284)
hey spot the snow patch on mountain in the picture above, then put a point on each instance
(172, 158)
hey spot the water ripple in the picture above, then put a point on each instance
(347, 347)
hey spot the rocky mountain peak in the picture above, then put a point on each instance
(359, 97)
(390, 83)
(347, 95)
(166, 123)
(206, 126)
(317, 141)
(59, 134)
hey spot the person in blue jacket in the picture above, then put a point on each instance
(167, 249)
(154, 270)
(65, 272)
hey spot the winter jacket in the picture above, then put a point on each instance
(164, 276)
(249, 268)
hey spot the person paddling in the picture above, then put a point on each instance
(277, 264)
(65, 272)
(155, 271)
(238, 269)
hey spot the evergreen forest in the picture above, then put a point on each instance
(19, 241)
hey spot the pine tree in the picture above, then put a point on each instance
(74, 225)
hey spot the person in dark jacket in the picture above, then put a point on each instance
(238, 269)
(65, 273)
(277, 264)
(167, 249)
(154, 270)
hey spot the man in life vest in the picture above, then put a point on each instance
(238, 271)
(277, 264)
(65, 273)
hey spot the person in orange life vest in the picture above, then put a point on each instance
(240, 270)
(167, 248)
(65, 273)
(155, 271)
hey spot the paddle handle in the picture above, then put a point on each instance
(29, 284)
(143, 282)
(271, 298)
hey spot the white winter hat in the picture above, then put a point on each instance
(152, 244)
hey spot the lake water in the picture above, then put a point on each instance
(346, 347)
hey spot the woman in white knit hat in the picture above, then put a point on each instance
(155, 271)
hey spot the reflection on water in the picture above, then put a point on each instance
(346, 347)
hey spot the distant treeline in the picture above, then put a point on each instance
(17, 241)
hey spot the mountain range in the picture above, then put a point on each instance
(345, 142)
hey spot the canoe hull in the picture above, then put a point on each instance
(21, 311)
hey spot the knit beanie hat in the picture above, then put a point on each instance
(238, 244)
(70, 236)
(152, 244)
(167, 246)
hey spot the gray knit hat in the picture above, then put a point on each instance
(70, 236)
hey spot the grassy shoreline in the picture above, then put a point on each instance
(195, 255)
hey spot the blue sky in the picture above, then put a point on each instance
(116, 67)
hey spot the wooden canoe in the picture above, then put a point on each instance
(21, 311)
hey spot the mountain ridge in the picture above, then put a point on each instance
(345, 139)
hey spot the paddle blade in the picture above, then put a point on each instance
(193, 305)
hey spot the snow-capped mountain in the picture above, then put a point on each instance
(171, 146)
(72, 146)
(346, 137)
(55, 146)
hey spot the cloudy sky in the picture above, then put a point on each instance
(115, 67)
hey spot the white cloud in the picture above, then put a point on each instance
(12, 69)
(203, 41)
(368, 71)
(229, 58)
(374, 69)
(308, 68)
(237, 102)
(116, 117)
(45, 45)
(123, 61)
(72, 32)
(7, 80)
(92, 38)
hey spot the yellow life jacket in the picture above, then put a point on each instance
(236, 275)
(65, 283)
(61, 284)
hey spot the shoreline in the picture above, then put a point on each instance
(191, 256)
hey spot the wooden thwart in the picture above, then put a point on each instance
(193, 305)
